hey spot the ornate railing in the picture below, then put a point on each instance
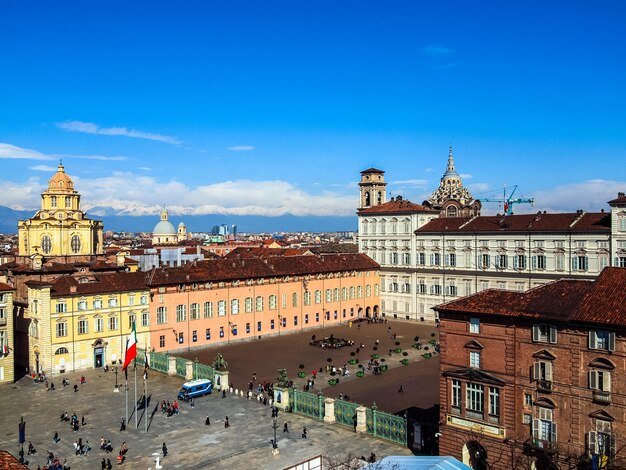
(159, 361)
(308, 404)
(201, 371)
(345, 412)
(181, 366)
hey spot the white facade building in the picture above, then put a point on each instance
(427, 259)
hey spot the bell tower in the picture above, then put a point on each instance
(373, 188)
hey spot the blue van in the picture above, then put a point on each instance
(195, 388)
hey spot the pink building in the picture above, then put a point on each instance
(229, 299)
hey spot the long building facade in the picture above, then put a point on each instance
(429, 256)
(532, 380)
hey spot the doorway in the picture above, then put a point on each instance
(98, 357)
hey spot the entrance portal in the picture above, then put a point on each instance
(475, 455)
(98, 357)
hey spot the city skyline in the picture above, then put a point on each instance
(238, 109)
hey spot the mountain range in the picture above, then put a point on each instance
(197, 223)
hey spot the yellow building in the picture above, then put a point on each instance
(60, 228)
(7, 351)
(83, 322)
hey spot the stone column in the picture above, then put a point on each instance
(171, 367)
(281, 393)
(189, 370)
(361, 419)
(329, 410)
(221, 379)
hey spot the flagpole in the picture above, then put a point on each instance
(145, 389)
(136, 425)
(126, 388)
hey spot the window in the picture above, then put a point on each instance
(494, 404)
(58, 352)
(406, 258)
(46, 244)
(528, 400)
(294, 299)
(113, 323)
(368, 290)
(600, 380)
(580, 263)
(329, 295)
(283, 302)
(181, 338)
(161, 315)
(359, 292)
(559, 262)
(435, 289)
(544, 429)
(451, 289)
(181, 313)
(456, 396)
(61, 307)
(318, 296)
(234, 307)
(68, 202)
(61, 329)
(83, 327)
(207, 333)
(474, 359)
(247, 327)
(258, 326)
(450, 259)
(485, 261)
(75, 243)
(259, 303)
(539, 262)
(221, 331)
(543, 333)
(519, 262)
(599, 339)
(221, 308)
(602, 440)
(131, 300)
(271, 324)
(501, 261)
(208, 309)
(352, 293)
(194, 336)
(421, 259)
(284, 322)
(99, 324)
(542, 371)
(248, 304)
(113, 302)
(307, 298)
(468, 287)
(620, 261)
(474, 325)
(194, 311)
(131, 320)
(271, 302)
(82, 305)
(143, 300)
(435, 259)
(603, 262)
(162, 341)
(317, 317)
(474, 400)
(344, 293)
(145, 318)
(53, 201)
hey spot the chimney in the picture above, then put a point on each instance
(72, 289)
(620, 194)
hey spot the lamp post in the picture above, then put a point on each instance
(22, 436)
(117, 387)
(274, 442)
(280, 320)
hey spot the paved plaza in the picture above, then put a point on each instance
(246, 443)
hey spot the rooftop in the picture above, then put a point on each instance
(397, 205)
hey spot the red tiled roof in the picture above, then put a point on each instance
(602, 301)
(5, 287)
(373, 170)
(230, 269)
(242, 252)
(575, 222)
(397, 206)
(621, 199)
(99, 284)
(8, 462)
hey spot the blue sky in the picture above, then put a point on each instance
(270, 108)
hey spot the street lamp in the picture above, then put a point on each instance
(117, 387)
(274, 442)
(280, 320)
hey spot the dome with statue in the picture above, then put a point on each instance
(164, 233)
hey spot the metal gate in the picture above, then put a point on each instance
(309, 404)
(181, 366)
(345, 413)
(159, 361)
(200, 371)
(388, 426)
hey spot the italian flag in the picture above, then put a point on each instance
(131, 348)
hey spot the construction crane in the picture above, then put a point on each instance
(508, 202)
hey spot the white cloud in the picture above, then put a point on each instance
(466, 176)
(478, 187)
(414, 182)
(11, 151)
(91, 128)
(436, 50)
(21, 195)
(241, 148)
(145, 168)
(428, 170)
(118, 158)
(590, 195)
(42, 168)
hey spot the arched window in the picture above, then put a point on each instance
(379, 199)
(451, 211)
(46, 244)
(61, 351)
(367, 199)
(75, 243)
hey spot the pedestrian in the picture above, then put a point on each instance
(401, 389)
(207, 421)
(285, 428)
(164, 449)
(75, 388)
(304, 432)
(109, 466)
(56, 439)
(224, 393)
(103, 464)
(123, 425)
(82, 421)
(31, 448)
(226, 423)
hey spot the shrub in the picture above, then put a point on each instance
(405, 353)
(360, 373)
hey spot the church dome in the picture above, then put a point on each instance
(164, 227)
(61, 180)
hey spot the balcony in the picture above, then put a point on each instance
(602, 397)
(544, 386)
